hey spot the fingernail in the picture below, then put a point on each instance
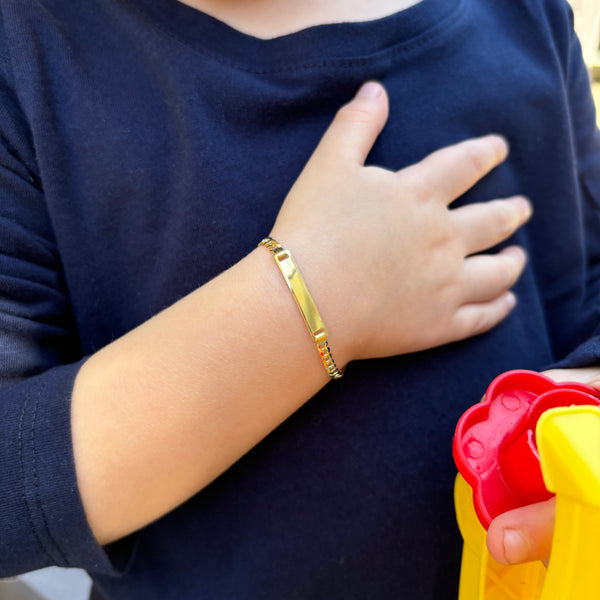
(371, 89)
(516, 546)
(526, 206)
(504, 142)
(502, 145)
(516, 251)
(511, 300)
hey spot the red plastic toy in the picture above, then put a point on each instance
(494, 443)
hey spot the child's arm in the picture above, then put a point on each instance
(162, 411)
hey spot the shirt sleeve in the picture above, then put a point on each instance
(42, 520)
(586, 139)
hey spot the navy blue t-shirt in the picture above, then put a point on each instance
(144, 148)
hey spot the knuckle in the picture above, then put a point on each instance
(477, 158)
(503, 216)
(506, 273)
(507, 218)
(483, 320)
(426, 190)
(452, 249)
(418, 185)
(356, 112)
(514, 264)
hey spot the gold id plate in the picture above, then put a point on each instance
(301, 295)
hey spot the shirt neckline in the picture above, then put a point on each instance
(314, 45)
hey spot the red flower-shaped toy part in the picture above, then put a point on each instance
(494, 443)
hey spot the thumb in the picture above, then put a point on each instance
(523, 534)
(356, 126)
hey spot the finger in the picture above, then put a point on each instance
(487, 276)
(587, 375)
(476, 318)
(486, 224)
(523, 534)
(450, 172)
(356, 126)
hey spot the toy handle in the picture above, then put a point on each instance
(568, 440)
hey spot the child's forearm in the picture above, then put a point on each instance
(162, 411)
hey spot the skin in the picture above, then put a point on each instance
(162, 411)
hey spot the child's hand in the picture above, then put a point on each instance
(389, 265)
(525, 534)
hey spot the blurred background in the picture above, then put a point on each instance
(587, 25)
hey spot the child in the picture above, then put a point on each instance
(158, 378)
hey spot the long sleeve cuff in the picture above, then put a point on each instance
(42, 519)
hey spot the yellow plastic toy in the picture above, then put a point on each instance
(568, 442)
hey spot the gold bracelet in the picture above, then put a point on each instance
(305, 304)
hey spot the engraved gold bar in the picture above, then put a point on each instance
(301, 295)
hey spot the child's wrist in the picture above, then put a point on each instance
(305, 303)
